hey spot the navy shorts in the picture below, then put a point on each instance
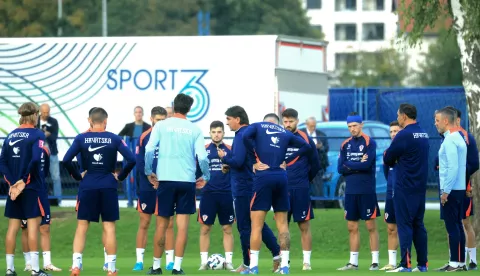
(468, 207)
(92, 204)
(390, 211)
(147, 202)
(270, 190)
(364, 207)
(175, 197)
(213, 204)
(46, 208)
(27, 205)
(300, 205)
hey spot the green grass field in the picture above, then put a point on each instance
(330, 245)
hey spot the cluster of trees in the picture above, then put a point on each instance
(34, 18)
(440, 66)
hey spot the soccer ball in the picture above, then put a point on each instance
(215, 262)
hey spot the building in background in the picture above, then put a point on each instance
(351, 26)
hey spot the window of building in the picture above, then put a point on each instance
(346, 60)
(373, 5)
(314, 4)
(345, 32)
(373, 31)
(345, 5)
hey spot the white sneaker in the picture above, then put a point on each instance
(228, 266)
(203, 267)
(348, 266)
(28, 267)
(307, 266)
(51, 267)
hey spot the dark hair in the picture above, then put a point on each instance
(238, 112)
(290, 113)
(216, 124)
(90, 111)
(459, 113)
(394, 123)
(182, 104)
(353, 113)
(138, 107)
(158, 110)
(99, 115)
(272, 115)
(408, 109)
(448, 113)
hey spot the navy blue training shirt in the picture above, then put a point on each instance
(99, 152)
(45, 166)
(409, 154)
(271, 141)
(389, 173)
(219, 182)
(145, 185)
(21, 157)
(303, 169)
(359, 176)
(241, 163)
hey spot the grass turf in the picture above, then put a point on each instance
(330, 245)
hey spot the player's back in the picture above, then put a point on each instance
(412, 169)
(271, 142)
(176, 150)
(21, 153)
(99, 154)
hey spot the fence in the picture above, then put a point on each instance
(327, 187)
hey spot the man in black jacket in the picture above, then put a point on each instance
(49, 126)
(135, 129)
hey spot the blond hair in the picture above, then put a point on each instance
(28, 112)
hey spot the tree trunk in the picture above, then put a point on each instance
(470, 59)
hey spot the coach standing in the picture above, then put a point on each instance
(179, 141)
(409, 154)
(49, 126)
(452, 158)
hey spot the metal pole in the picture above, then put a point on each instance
(59, 15)
(104, 18)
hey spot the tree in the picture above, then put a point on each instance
(466, 14)
(441, 66)
(260, 17)
(386, 67)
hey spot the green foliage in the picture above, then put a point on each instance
(385, 68)
(426, 13)
(153, 17)
(442, 65)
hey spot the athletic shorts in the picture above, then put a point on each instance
(216, 204)
(300, 205)
(147, 201)
(468, 207)
(390, 211)
(27, 205)
(363, 206)
(175, 197)
(46, 207)
(98, 202)
(270, 190)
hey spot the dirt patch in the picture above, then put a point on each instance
(63, 215)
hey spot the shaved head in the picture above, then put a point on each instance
(44, 111)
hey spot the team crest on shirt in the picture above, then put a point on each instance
(360, 148)
(204, 217)
(16, 150)
(97, 157)
(144, 206)
(275, 140)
